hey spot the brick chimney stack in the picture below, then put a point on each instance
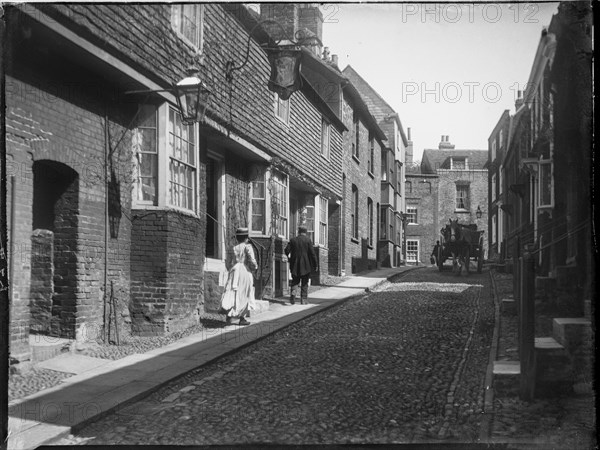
(409, 148)
(519, 100)
(445, 143)
(297, 20)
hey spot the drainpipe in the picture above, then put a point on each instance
(13, 224)
(106, 152)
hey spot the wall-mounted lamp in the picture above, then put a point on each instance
(284, 59)
(192, 95)
(479, 212)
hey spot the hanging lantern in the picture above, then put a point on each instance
(192, 99)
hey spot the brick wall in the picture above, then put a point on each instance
(56, 147)
(164, 58)
(421, 193)
(166, 271)
(359, 255)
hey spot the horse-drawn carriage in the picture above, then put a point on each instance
(460, 243)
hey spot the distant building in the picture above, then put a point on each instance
(451, 184)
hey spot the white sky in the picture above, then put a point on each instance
(472, 57)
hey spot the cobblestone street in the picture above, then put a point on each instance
(403, 364)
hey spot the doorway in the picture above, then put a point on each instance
(54, 275)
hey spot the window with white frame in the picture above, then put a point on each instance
(494, 225)
(354, 212)
(187, 19)
(280, 203)
(500, 139)
(545, 184)
(462, 196)
(493, 187)
(412, 250)
(310, 222)
(325, 138)
(145, 150)
(182, 162)
(493, 150)
(411, 215)
(371, 220)
(282, 109)
(258, 205)
(323, 214)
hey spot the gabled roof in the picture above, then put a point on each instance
(434, 159)
(359, 104)
(378, 107)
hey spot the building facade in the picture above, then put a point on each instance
(117, 203)
(497, 143)
(546, 168)
(449, 184)
(392, 172)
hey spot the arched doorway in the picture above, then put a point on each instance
(54, 249)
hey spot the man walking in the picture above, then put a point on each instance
(303, 261)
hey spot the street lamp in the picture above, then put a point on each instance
(478, 213)
(193, 97)
(285, 59)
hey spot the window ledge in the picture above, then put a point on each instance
(462, 211)
(353, 239)
(370, 247)
(371, 174)
(355, 158)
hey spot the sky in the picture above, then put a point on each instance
(446, 68)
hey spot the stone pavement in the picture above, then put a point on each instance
(404, 363)
(52, 413)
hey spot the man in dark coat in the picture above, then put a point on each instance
(303, 261)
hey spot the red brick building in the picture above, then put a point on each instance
(117, 203)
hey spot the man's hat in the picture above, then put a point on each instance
(241, 232)
(302, 229)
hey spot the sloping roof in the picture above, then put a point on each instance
(378, 107)
(360, 105)
(434, 159)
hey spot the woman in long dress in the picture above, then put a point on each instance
(238, 297)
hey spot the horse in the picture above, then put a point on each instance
(460, 239)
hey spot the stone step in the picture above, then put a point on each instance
(508, 306)
(553, 368)
(506, 377)
(260, 307)
(46, 347)
(572, 331)
(576, 335)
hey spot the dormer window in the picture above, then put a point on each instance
(458, 163)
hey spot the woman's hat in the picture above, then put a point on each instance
(241, 232)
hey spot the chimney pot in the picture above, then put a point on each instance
(334, 59)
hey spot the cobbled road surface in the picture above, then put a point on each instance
(405, 363)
